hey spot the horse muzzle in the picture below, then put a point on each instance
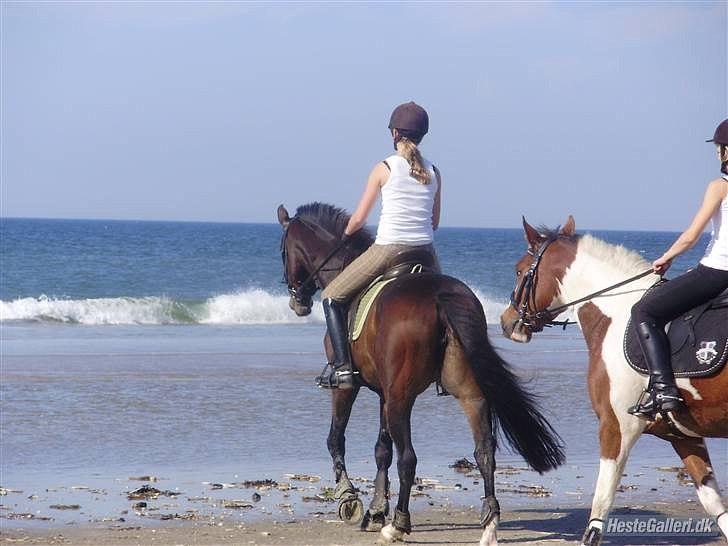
(301, 309)
(513, 327)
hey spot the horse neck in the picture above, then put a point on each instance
(337, 265)
(598, 265)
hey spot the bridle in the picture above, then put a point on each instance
(303, 293)
(526, 293)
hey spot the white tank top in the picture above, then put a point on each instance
(716, 255)
(406, 217)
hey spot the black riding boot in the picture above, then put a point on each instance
(341, 374)
(662, 394)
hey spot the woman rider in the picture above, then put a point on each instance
(410, 187)
(671, 299)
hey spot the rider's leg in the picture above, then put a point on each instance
(342, 374)
(661, 305)
(351, 281)
(664, 394)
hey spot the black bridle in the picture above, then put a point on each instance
(303, 293)
(526, 293)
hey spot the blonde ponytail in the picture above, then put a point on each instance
(411, 153)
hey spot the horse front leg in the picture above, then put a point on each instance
(399, 426)
(478, 414)
(615, 444)
(696, 459)
(376, 516)
(350, 507)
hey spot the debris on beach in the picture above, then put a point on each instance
(463, 465)
(622, 488)
(256, 497)
(199, 499)
(4, 491)
(148, 492)
(303, 478)
(164, 517)
(681, 472)
(144, 478)
(260, 483)
(141, 505)
(80, 487)
(236, 504)
(15, 515)
(510, 470)
(529, 490)
(65, 506)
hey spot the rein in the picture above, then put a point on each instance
(528, 286)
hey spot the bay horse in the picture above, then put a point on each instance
(422, 328)
(561, 267)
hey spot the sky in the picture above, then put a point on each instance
(221, 111)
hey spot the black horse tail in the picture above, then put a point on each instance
(513, 407)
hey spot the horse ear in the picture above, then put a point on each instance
(283, 218)
(569, 228)
(533, 237)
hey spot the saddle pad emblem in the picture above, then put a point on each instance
(707, 352)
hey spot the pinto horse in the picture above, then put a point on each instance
(423, 327)
(561, 267)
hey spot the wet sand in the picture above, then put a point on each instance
(301, 511)
(445, 525)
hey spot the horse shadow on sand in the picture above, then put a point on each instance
(532, 526)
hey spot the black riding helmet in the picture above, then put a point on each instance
(410, 120)
(721, 134)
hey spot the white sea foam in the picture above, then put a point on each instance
(252, 306)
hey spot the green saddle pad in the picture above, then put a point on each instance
(365, 303)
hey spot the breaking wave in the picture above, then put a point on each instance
(254, 306)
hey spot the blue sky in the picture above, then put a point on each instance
(220, 111)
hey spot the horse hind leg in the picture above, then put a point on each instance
(478, 414)
(696, 459)
(398, 424)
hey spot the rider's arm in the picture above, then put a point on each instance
(438, 200)
(714, 194)
(376, 180)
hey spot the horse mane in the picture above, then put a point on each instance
(333, 220)
(618, 256)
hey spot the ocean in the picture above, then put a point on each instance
(132, 348)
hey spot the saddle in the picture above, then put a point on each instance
(409, 261)
(698, 341)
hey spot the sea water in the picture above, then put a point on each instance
(168, 349)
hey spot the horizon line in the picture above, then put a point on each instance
(370, 226)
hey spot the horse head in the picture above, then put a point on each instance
(538, 280)
(307, 243)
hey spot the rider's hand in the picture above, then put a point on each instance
(661, 265)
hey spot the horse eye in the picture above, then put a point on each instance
(518, 273)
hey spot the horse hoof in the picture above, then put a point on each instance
(390, 534)
(373, 522)
(351, 510)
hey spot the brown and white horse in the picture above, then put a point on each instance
(561, 267)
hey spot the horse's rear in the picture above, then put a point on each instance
(426, 327)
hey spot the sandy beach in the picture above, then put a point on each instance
(301, 511)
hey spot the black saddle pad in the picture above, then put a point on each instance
(698, 341)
